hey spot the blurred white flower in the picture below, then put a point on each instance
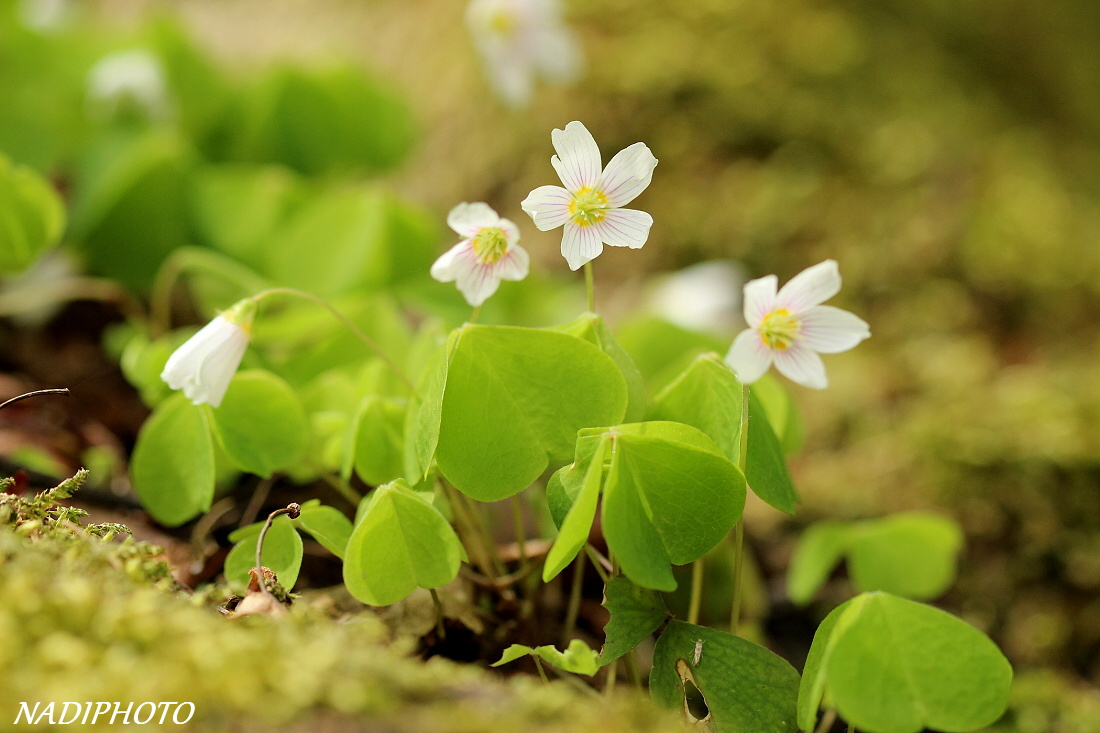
(791, 327)
(205, 364)
(589, 205)
(519, 40)
(129, 80)
(488, 253)
(702, 297)
(46, 16)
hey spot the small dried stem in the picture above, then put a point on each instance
(35, 393)
(292, 510)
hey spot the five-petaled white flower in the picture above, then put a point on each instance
(205, 364)
(791, 327)
(519, 40)
(589, 205)
(488, 253)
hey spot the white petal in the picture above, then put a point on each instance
(555, 52)
(514, 265)
(801, 365)
(624, 228)
(759, 299)
(205, 364)
(477, 281)
(466, 219)
(578, 160)
(813, 286)
(829, 330)
(580, 245)
(627, 175)
(511, 231)
(445, 269)
(748, 357)
(548, 206)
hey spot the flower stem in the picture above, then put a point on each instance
(739, 529)
(347, 322)
(590, 285)
(542, 672)
(476, 312)
(292, 510)
(439, 630)
(194, 259)
(521, 533)
(696, 591)
(826, 721)
(574, 607)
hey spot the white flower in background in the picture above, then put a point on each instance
(519, 40)
(205, 364)
(589, 206)
(702, 297)
(46, 16)
(488, 253)
(791, 327)
(129, 80)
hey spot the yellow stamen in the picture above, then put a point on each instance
(588, 206)
(489, 244)
(502, 23)
(779, 329)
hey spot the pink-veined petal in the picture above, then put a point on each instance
(748, 357)
(759, 299)
(627, 175)
(580, 245)
(578, 161)
(478, 282)
(801, 365)
(813, 286)
(445, 269)
(466, 218)
(624, 228)
(829, 330)
(548, 207)
(514, 265)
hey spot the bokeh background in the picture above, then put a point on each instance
(946, 154)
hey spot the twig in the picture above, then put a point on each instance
(292, 510)
(35, 393)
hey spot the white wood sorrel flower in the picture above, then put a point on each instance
(205, 364)
(589, 206)
(520, 40)
(488, 253)
(791, 327)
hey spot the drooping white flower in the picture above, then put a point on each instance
(488, 253)
(520, 40)
(790, 328)
(205, 364)
(129, 80)
(589, 207)
(703, 297)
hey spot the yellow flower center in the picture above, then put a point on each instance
(588, 206)
(502, 22)
(779, 329)
(489, 244)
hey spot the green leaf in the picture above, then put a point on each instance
(261, 423)
(129, 209)
(913, 555)
(635, 614)
(328, 526)
(578, 657)
(514, 401)
(781, 411)
(591, 328)
(578, 523)
(32, 217)
(766, 467)
(745, 686)
(666, 501)
(818, 551)
(377, 432)
(282, 553)
(401, 542)
(661, 349)
(896, 666)
(173, 463)
(708, 396)
(811, 690)
(424, 414)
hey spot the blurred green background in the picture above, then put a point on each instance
(947, 154)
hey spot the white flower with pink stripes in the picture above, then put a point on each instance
(590, 205)
(488, 253)
(790, 327)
